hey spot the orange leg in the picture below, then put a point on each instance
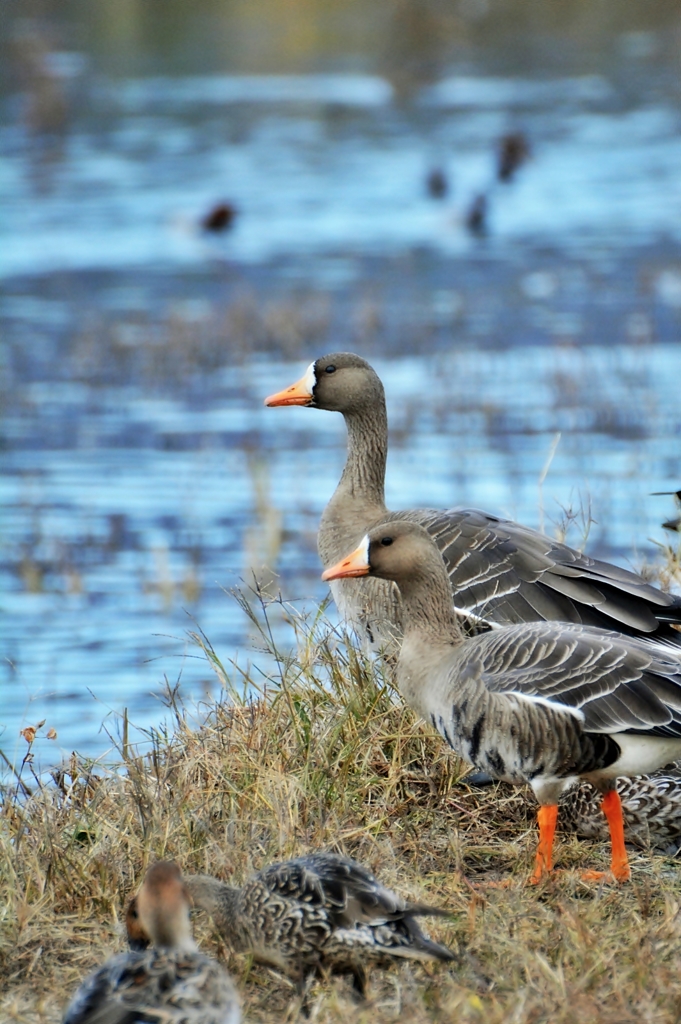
(547, 815)
(612, 809)
(611, 805)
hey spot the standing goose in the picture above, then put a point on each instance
(545, 703)
(500, 572)
(321, 912)
(172, 982)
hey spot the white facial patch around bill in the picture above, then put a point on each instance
(363, 546)
(310, 379)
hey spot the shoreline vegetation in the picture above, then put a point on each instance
(321, 754)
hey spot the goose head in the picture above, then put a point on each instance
(340, 382)
(397, 551)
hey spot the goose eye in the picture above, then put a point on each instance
(330, 369)
(386, 541)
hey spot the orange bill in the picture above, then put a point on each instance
(356, 564)
(299, 393)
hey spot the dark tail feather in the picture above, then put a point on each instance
(423, 910)
(421, 941)
(435, 949)
(440, 951)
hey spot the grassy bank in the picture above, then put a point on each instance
(323, 755)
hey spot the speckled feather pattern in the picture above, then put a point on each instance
(319, 911)
(512, 739)
(159, 987)
(651, 808)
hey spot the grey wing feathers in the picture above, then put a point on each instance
(504, 573)
(619, 683)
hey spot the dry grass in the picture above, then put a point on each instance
(669, 570)
(324, 756)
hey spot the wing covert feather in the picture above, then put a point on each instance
(618, 682)
(502, 572)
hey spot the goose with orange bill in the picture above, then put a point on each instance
(500, 572)
(541, 703)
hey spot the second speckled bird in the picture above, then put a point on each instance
(318, 913)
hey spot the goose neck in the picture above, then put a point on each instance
(428, 679)
(364, 472)
(427, 606)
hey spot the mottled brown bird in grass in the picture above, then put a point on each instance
(171, 983)
(651, 807)
(320, 913)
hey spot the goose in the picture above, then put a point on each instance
(171, 982)
(500, 572)
(321, 912)
(543, 703)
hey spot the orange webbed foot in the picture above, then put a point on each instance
(502, 883)
(604, 876)
(594, 876)
(621, 872)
